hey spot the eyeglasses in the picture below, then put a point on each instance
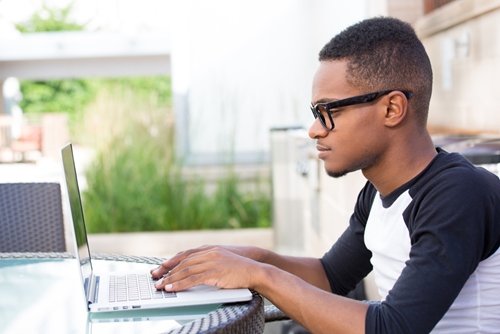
(322, 110)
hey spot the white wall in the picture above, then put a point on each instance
(240, 68)
(463, 43)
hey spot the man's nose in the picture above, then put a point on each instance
(317, 130)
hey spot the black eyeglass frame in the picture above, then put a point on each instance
(365, 98)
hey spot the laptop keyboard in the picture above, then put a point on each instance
(135, 287)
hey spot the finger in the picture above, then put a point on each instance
(169, 264)
(185, 259)
(158, 271)
(182, 272)
(162, 269)
(184, 284)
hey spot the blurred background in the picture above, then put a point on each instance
(193, 115)
(169, 104)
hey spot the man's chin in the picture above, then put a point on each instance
(363, 164)
(335, 174)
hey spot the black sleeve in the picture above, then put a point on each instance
(453, 226)
(348, 261)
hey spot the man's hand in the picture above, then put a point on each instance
(166, 266)
(224, 267)
(271, 275)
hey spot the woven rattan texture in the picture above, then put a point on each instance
(272, 313)
(31, 218)
(237, 318)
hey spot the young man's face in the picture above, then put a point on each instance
(356, 141)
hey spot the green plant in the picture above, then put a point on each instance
(129, 191)
(188, 204)
(70, 95)
(135, 182)
(50, 19)
(121, 107)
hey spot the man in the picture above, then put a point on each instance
(426, 222)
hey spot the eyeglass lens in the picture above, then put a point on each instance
(320, 112)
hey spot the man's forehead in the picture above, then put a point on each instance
(330, 82)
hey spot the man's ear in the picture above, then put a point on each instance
(396, 109)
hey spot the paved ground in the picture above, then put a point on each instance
(44, 170)
(40, 169)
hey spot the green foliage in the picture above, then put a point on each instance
(69, 96)
(54, 95)
(142, 102)
(122, 189)
(50, 19)
(155, 91)
(129, 189)
(135, 183)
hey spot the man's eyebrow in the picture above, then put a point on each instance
(325, 100)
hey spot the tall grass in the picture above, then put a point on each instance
(135, 182)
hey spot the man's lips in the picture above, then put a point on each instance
(322, 148)
(322, 151)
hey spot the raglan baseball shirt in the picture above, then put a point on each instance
(433, 245)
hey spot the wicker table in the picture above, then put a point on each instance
(229, 318)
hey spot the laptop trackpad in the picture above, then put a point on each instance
(202, 288)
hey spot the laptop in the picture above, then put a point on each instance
(118, 291)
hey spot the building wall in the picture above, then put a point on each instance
(241, 68)
(462, 39)
(406, 10)
(336, 204)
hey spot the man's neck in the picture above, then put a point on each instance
(401, 164)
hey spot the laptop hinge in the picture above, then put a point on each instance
(92, 289)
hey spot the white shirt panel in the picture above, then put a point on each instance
(387, 237)
(477, 303)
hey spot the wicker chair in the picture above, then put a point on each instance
(31, 218)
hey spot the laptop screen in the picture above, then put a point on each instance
(83, 251)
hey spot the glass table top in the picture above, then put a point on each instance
(45, 296)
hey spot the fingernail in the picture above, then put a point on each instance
(159, 282)
(168, 287)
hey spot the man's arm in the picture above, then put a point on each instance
(347, 263)
(316, 309)
(298, 286)
(308, 269)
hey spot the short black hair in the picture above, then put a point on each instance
(384, 53)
